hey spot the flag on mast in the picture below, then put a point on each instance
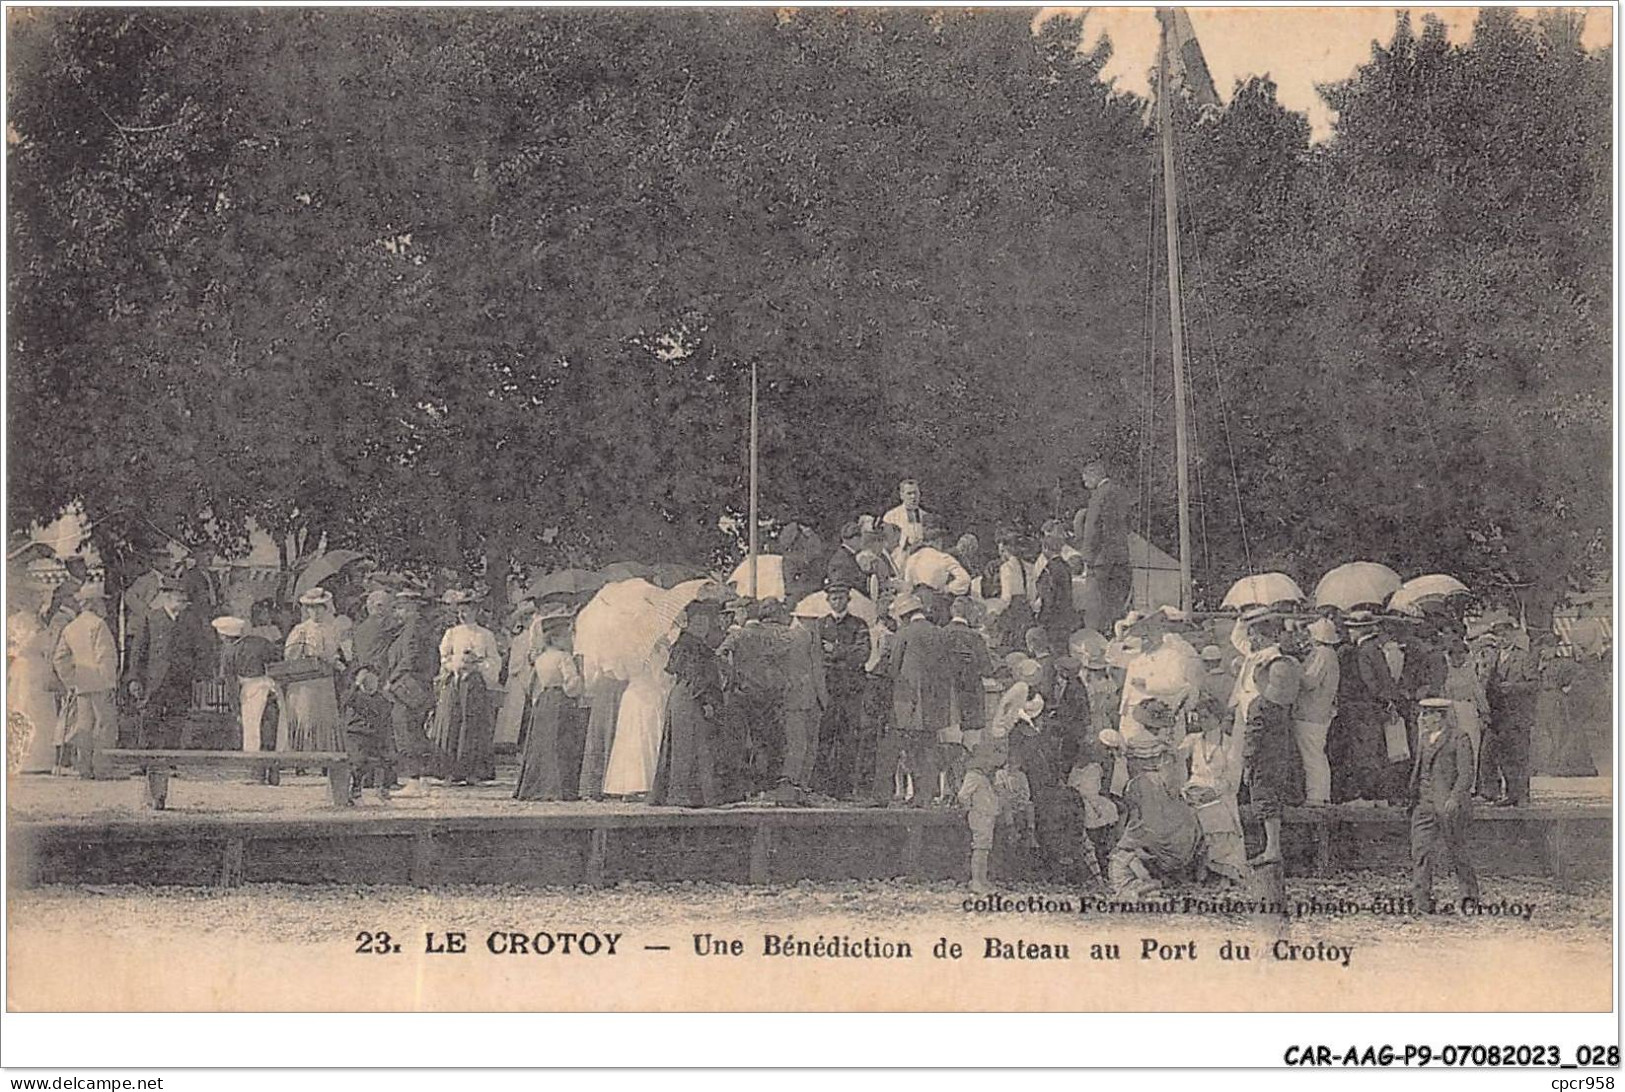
(1187, 68)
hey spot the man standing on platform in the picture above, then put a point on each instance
(845, 641)
(1056, 614)
(1513, 689)
(412, 663)
(754, 659)
(376, 632)
(164, 663)
(1369, 696)
(920, 667)
(909, 519)
(931, 566)
(1101, 531)
(86, 660)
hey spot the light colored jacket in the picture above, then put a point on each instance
(85, 658)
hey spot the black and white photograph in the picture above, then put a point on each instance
(812, 509)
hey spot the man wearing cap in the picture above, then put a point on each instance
(86, 660)
(1314, 709)
(844, 639)
(1101, 532)
(920, 667)
(843, 566)
(244, 659)
(1441, 795)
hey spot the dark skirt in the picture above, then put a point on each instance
(541, 774)
(1274, 769)
(685, 775)
(465, 730)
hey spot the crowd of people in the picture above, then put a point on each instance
(1085, 743)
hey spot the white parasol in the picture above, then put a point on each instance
(1355, 584)
(1262, 590)
(1413, 593)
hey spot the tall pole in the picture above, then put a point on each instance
(753, 479)
(1170, 202)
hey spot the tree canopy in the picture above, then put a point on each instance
(484, 287)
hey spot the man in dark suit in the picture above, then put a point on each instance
(1056, 613)
(1101, 532)
(844, 638)
(411, 664)
(843, 567)
(920, 667)
(166, 658)
(971, 664)
(1441, 794)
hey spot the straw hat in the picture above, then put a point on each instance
(460, 597)
(316, 597)
(228, 626)
(1323, 631)
(87, 592)
(906, 604)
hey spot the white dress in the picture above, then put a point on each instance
(28, 689)
(638, 730)
(516, 691)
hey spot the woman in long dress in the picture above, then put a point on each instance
(28, 689)
(554, 685)
(465, 716)
(516, 687)
(602, 692)
(686, 772)
(638, 727)
(309, 709)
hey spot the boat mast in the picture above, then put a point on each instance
(1170, 202)
(753, 453)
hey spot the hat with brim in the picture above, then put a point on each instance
(907, 604)
(460, 597)
(1359, 619)
(411, 594)
(1436, 703)
(1259, 614)
(229, 626)
(1155, 714)
(316, 597)
(1323, 631)
(838, 585)
(1212, 654)
(1111, 737)
(1028, 670)
(554, 612)
(88, 592)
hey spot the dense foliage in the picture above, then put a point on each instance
(456, 285)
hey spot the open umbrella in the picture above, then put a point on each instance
(1261, 590)
(601, 626)
(1355, 584)
(626, 570)
(817, 604)
(324, 567)
(565, 582)
(769, 577)
(1413, 593)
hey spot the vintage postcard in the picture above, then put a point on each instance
(811, 509)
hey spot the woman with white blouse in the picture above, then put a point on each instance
(465, 717)
(554, 683)
(309, 705)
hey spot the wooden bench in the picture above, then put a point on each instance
(159, 765)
